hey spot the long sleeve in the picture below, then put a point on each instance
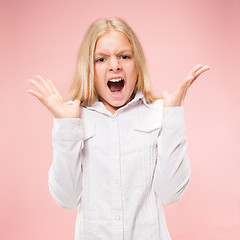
(172, 169)
(65, 174)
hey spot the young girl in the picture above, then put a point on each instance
(118, 151)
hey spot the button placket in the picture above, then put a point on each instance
(116, 199)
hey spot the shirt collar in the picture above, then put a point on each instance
(99, 106)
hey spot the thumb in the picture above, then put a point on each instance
(76, 102)
(165, 94)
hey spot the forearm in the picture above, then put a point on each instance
(172, 170)
(65, 174)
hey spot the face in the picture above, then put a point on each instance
(115, 70)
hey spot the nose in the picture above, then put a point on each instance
(114, 64)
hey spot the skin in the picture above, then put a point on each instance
(112, 48)
(177, 97)
(114, 59)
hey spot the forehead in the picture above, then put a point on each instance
(113, 41)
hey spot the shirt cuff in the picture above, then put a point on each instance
(67, 129)
(173, 117)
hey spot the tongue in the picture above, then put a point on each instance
(115, 86)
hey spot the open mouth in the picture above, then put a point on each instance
(116, 85)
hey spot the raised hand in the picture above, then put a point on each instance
(46, 92)
(177, 97)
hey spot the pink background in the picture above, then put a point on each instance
(42, 37)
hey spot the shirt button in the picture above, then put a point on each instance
(115, 181)
(117, 217)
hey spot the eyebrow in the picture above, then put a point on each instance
(120, 52)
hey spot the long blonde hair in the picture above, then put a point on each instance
(83, 82)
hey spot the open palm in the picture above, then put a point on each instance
(47, 93)
(177, 97)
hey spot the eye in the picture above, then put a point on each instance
(100, 60)
(124, 57)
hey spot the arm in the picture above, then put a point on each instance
(65, 174)
(172, 169)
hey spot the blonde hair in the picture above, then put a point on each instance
(83, 82)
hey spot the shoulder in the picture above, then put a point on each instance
(152, 112)
(157, 105)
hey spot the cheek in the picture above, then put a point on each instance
(99, 78)
(130, 68)
(99, 70)
(133, 72)
(96, 72)
(133, 68)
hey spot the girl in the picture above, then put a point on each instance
(118, 151)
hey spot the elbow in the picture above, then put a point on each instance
(169, 200)
(170, 196)
(172, 190)
(64, 199)
(170, 184)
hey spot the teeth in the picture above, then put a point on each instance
(115, 80)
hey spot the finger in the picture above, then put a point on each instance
(193, 78)
(36, 94)
(183, 88)
(165, 94)
(200, 71)
(39, 87)
(54, 89)
(194, 70)
(44, 83)
(48, 81)
(185, 83)
(76, 102)
(189, 81)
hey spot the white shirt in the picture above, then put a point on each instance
(118, 168)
